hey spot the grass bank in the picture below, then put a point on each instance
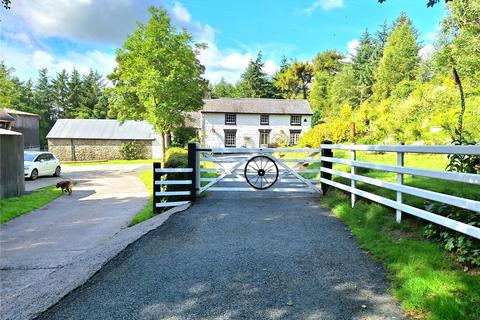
(11, 208)
(426, 279)
(147, 212)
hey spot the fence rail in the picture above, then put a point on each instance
(399, 187)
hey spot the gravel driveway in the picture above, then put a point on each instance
(239, 256)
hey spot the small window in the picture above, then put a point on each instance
(264, 119)
(295, 120)
(230, 138)
(230, 118)
(294, 137)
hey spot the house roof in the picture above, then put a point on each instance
(13, 111)
(101, 129)
(4, 116)
(257, 105)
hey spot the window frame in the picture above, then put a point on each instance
(234, 117)
(263, 131)
(268, 119)
(292, 123)
(230, 131)
(292, 134)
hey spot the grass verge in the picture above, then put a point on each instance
(427, 282)
(93, 163)
(11, 208)
(147, 212)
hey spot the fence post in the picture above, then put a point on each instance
(326, 153)
(197, 169)
(156, 176)
(352, 182)
(192, 163)
(400, 161)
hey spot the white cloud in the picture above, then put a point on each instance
(100, 24)
(426, 52)
(353, 47)
(181, 13)
(325, 5)
(100, 21)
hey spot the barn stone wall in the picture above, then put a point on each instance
(92, 150)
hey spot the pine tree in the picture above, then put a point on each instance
(254, 81)
(364, 64)
(74, 93)
(224, 89)
(60, 94)
(400, 59)
(43, 102)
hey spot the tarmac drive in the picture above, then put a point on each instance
(239, 255)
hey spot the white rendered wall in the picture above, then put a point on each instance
(248, 125)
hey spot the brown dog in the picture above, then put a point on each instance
(66, 186)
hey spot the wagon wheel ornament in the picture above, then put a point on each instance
(261, 172)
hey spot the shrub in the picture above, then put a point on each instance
(176, 158)
(182, 136)
(132, 150)
(280, 140)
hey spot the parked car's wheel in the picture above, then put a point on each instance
(57, 172)
(34, 174)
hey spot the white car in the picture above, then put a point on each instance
(38, 163)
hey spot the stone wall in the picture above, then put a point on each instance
(91, 150)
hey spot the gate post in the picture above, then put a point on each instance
(156, 176)
(324, 175)
(194, 164)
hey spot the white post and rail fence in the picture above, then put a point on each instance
(190, 186)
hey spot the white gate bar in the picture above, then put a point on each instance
(471, 150)
(300, 160)
(307, 182)
(211, 170)
(243, 180)
(214, 160)
(431, 195)
(172, 193)
(170, 204)
(307, 171)
(169, 170)
(298, 165)
(445, 175)
(172, 182)
(446, 222)
(256, 150)
(241, 189)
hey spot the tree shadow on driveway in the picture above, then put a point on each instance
(234, 256)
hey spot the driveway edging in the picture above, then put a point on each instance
(37, 298)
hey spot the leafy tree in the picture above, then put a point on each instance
(430, 3)
(7, 87)
(224, 89)
(295, 80)
(400, 59)
(157, 70)
(24, 96)
(325, 65)
(254, 81)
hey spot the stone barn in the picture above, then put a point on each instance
(101, 139)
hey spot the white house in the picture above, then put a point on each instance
(253, 122)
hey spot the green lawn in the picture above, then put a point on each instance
(92, 163)
(11, 208)
(428, 283)
(147, 212)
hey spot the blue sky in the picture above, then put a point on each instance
(84, 33)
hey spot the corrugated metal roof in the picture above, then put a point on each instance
(13, 111)
(101, 129)
(257, 105)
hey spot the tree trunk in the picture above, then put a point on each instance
(168, 139)
(162, 146)
(462, 102)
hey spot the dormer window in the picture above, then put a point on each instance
(230, 118)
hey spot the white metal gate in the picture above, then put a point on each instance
(257, 169)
